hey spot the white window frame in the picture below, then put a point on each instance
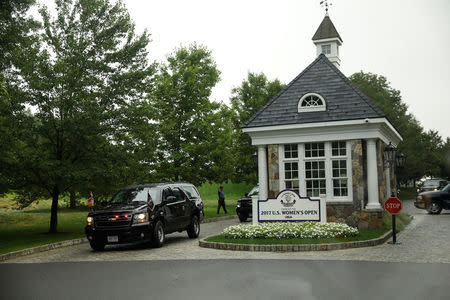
(301, 108)
(322, 48)
(330, 198)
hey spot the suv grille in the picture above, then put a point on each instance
(113, 220)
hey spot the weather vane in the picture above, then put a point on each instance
(326, 3)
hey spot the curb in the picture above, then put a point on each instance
(210, 220)
(295, 248)
(42, 248)
(67, 243)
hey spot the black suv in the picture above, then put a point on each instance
(434, 201)
(244, 205)
(146, 213)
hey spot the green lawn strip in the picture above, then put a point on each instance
(363, 235)
(408, 193)
(402, 219)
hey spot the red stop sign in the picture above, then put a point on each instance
(393, 205)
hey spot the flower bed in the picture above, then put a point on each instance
(290, 230)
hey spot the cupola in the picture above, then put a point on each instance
(328, 40)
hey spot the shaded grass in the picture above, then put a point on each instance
(363, 235)
(408, 193)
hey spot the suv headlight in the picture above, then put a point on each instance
(419, 197)
(90, 221)
(140, 218)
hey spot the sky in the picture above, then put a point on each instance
(407, 41)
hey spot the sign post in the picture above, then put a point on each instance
(393, 205)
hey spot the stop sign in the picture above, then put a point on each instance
(393, 205)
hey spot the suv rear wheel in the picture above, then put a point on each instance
(158, 235)
(193, 229)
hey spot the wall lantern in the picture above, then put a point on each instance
(389, 155)
(400, 160)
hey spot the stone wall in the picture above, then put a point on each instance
(357, 174)
(273, 170)
(343, 213)
(382, 189)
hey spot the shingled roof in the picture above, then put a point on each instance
(343, 100)
(326, 30)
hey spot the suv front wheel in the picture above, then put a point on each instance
(434, 208)
(97, 245)
(158, 235)
(193, 229)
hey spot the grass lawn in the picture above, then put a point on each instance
(20, 229)
(233, 192)
(363, 235)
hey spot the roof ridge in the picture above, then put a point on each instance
(283, 90)
(361, 94)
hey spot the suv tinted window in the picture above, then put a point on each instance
(166, 193)
(179, 194)
(191, 192)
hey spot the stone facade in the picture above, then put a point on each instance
(382, 189)
(357, 174)
(273, 170)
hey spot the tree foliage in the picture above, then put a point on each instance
(247, 99)
(193, 133)
(86, 83)
(422, 149)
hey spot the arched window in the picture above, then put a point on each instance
(311, 102)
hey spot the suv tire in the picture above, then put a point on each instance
(97, 246)
(193, 229)
(158, 235)
(242, 217)
(435, 208)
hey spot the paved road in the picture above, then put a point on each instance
(426, 240)
(225, 279)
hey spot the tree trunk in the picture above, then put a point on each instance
(73, 200)
(54, 210)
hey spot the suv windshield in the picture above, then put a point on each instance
(135, 196)
(431, 183)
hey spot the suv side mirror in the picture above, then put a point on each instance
(246, 195)
(171, 199)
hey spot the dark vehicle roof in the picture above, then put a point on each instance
(155, 184)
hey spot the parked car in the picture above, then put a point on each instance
(146, 213)
(432, 185)
(244, 205)
(434, 201)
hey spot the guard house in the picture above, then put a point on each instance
(324, 138)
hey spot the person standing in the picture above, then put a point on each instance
(221, 200)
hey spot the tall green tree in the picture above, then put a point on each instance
(86, 82)
(192, 130)
(421, 148)
(17, 37)
(253, 93)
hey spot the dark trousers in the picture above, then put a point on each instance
(221, 204)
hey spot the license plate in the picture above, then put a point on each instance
(113, 238)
